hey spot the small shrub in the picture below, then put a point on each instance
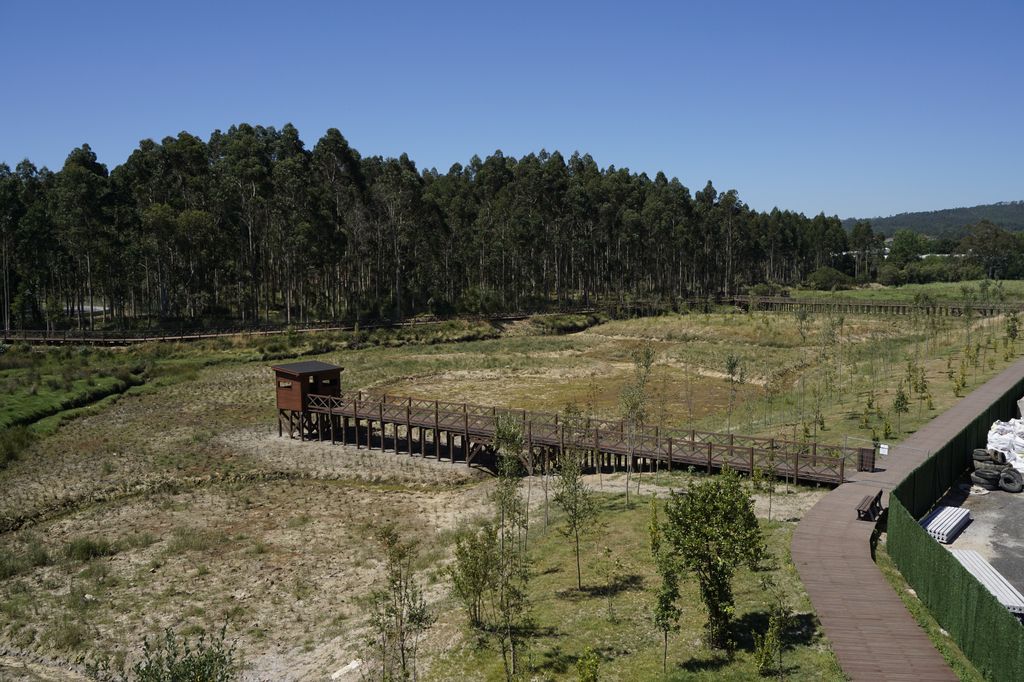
(87, 549)
(299, 521)
(68, 635)
(138, 540)
(36, 555)
(768, 647)
(10, 565)
(12, 442)
(208, 659)
(587, 666)
(826, 279)
(194, 540)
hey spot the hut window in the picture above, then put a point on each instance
(312, 380)
(284, 384)
(326, 382)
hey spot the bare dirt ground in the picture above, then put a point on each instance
(325, 461)
(23, 669)
(287, 563)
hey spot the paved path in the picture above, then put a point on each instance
(872, 633)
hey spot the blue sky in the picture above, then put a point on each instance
(855, 109)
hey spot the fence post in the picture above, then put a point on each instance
(842, 470)
(751, 461)
(408, 426)
(380, 407)
(465, 433)
(710, 446)
(670, 454)
(529, 441)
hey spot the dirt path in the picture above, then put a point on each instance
(20, 669)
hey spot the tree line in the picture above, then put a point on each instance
(251, 225)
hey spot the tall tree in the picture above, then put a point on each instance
(572, 494)
(80, 207)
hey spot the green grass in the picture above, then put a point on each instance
(566, 323)
(88, 548)
(186, 539)
(956, 659)
(1012, 290)
(32, 402)
(620, 628)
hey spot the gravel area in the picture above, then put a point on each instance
(997, 529)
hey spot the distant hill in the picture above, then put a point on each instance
(950, 222)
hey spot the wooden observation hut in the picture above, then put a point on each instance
(295, 383)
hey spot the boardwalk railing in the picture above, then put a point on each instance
(126, 337)
(807, 461)
(851, 305)
(771, 303)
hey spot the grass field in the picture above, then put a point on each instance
(612, 616)
(174, 503)
(1008, 291)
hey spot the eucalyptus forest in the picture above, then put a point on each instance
(252, 225)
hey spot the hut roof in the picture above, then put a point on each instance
(306, 367)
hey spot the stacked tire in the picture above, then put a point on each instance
(991, 472)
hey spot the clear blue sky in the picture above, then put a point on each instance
(856, 108)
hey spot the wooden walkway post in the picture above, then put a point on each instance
(408, 426)
(437, 444)
(355, 420)
(529, 442)
(465, 432)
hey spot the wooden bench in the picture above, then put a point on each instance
(870, 507)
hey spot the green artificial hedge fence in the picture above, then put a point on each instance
(989, 635)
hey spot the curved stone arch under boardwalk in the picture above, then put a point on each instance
(871, 631)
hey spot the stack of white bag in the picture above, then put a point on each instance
(1008, 438)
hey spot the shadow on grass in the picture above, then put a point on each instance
(558, 662)
(625, 583)
(709, 662)
(800, 631)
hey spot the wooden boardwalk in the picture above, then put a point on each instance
(854, 306)
(872, 633)
(761, 303)
(432, 426)
(90, 337)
